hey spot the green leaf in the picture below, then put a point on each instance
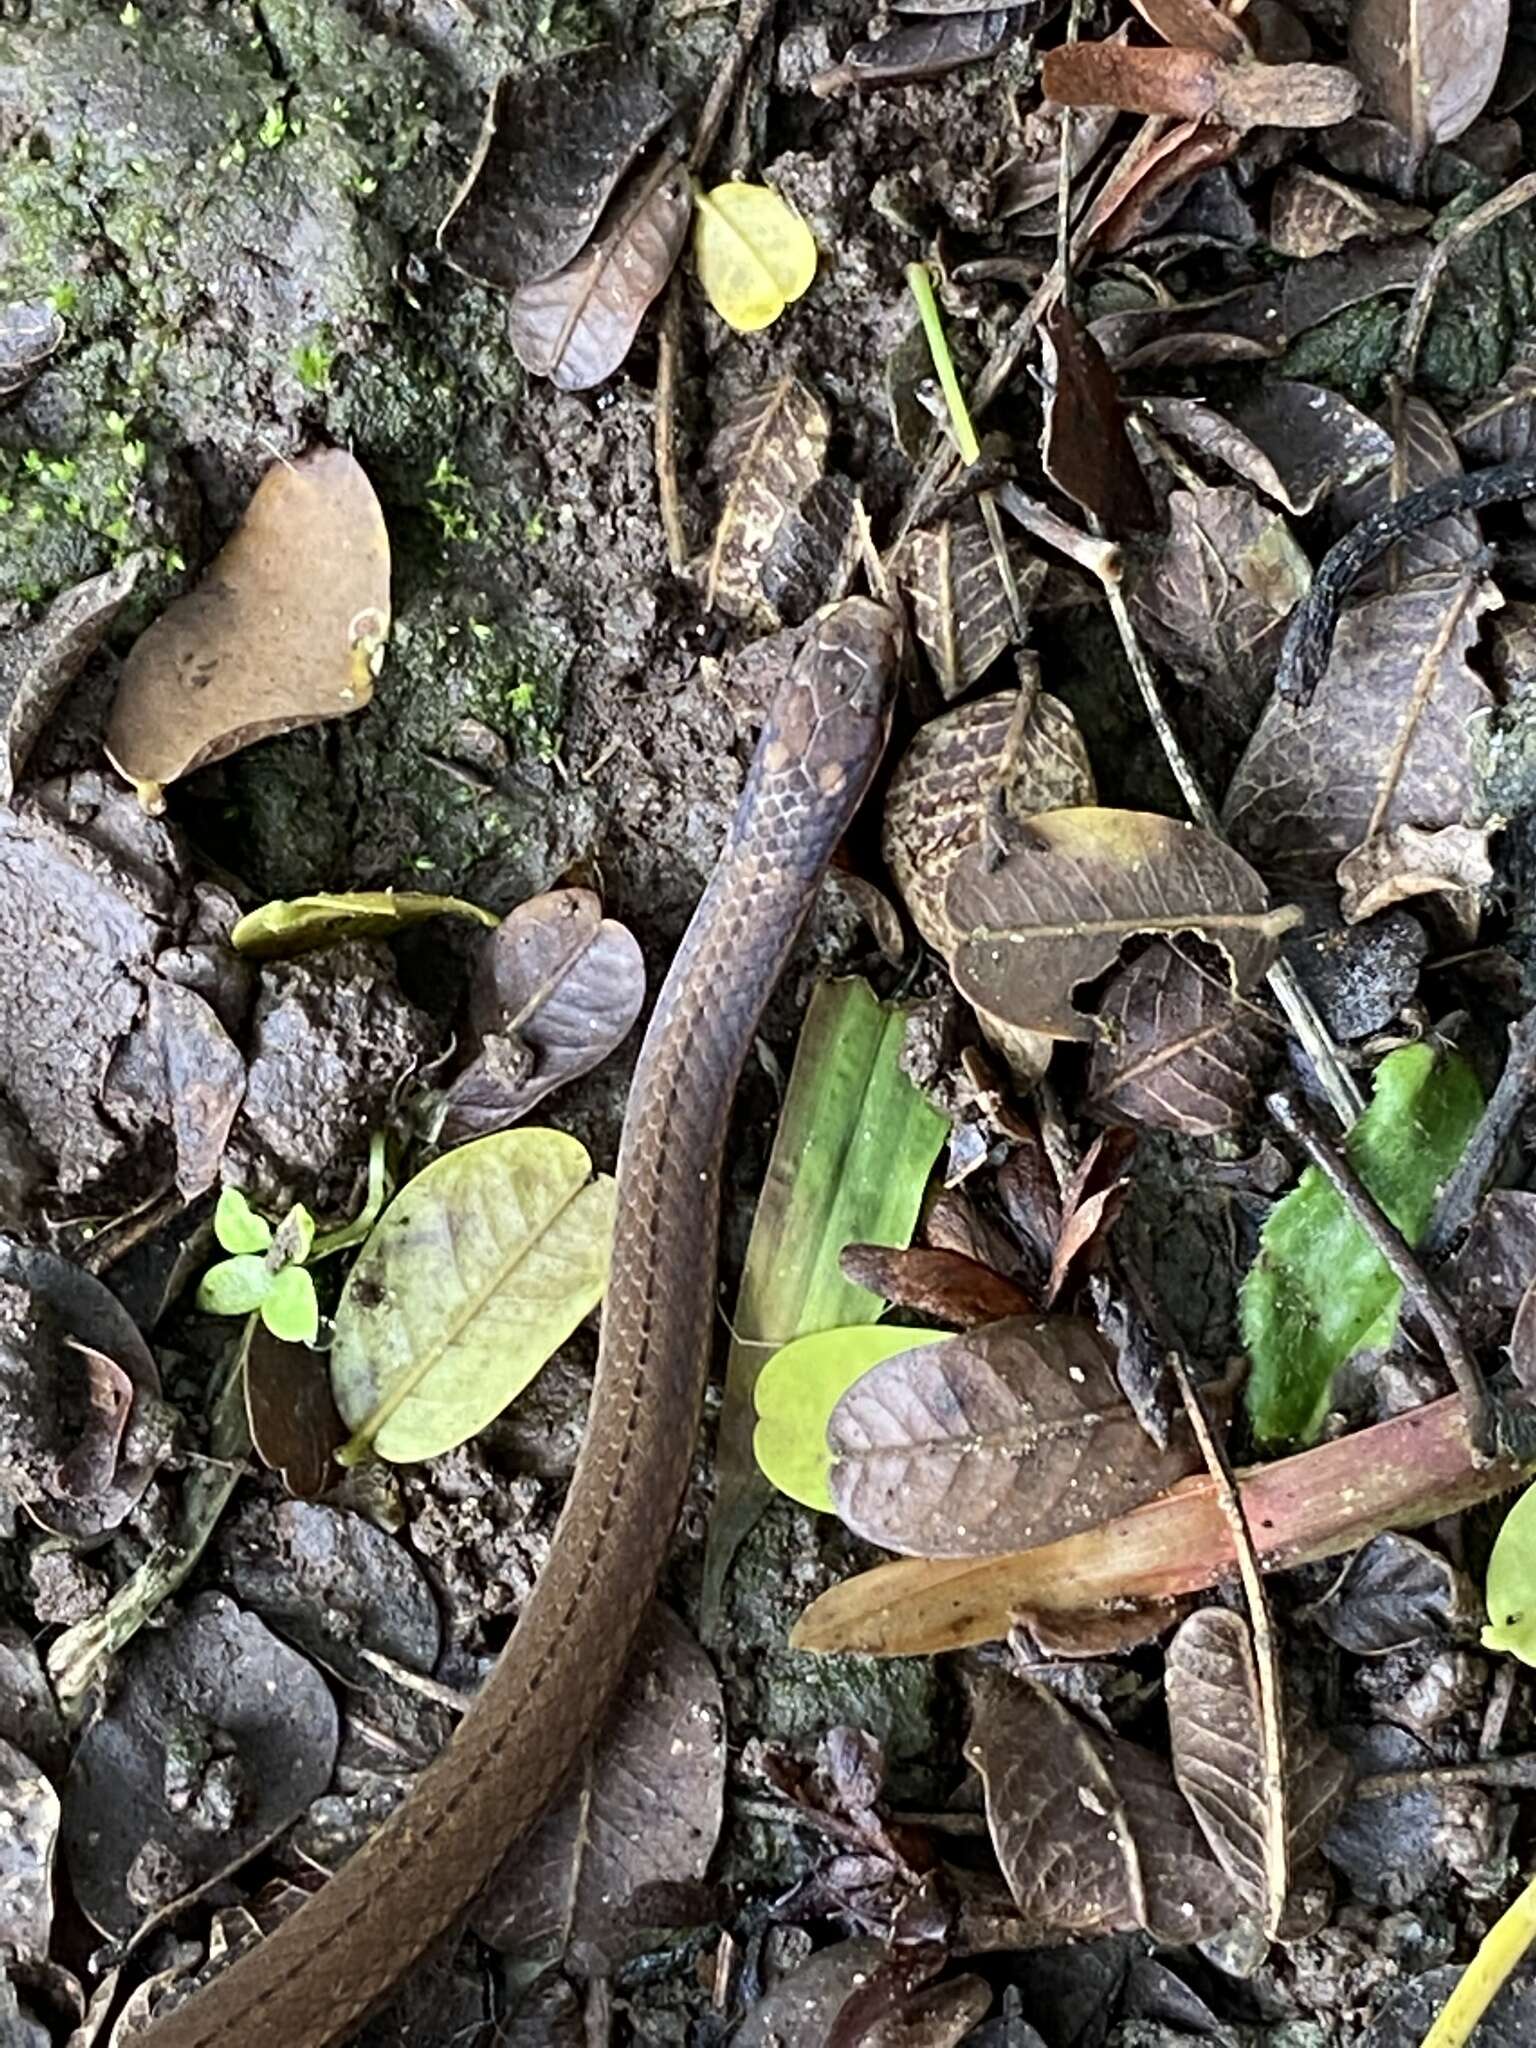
(1511, 1589)
(235, 1286)
(237, 1226)
(477, 1272)
(798, 1389)
(1319, 1291)
(289, 1308)
(754, 253)
(277, 931)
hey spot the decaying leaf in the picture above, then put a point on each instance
(798, 1389)
(286, 627)
(1026, 186)
(812, 553)
(1430, 64)
(941, 1285)
(555, 141)
(576, 326)
(1200, 85)
(1390, 737)
(302, 924)
(1143, 180)
(1176, 1051)
(1085, 449)
(1394, 1592)
(1222, 1765)
(29, 1830)
(1403, 862)
(755, 255)
(1311, 215)
(1090, 1830)
(1294, 442)
(89, 1468)
(1426, 453)
(960, 602)
(1091, 1201)
(1501, 426)
(39, 662)
(556, 988)
(30, 332)
(1054, 914)
(807, 2002)
(920, 50)
(1319, 1290)
(293, 1419)
(644, 1811)
(1010, 1435)
(767, 456)
(478, 1270)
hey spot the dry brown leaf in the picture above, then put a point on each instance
(1310, 214)
(1430, 64)
(1294, 442)
(1425, 454)
(1501, 427)
(1199, 85)
(1076, 885)
(767, 457)
(1403, 862)
(38, 662)
(959, 599)
(1011, 1435)
(291, 1413)
(1196, 25)
(935, 1286)
(1177, 1051)
(1026, 186)
(1140, 181)
(576, 327)
(1390, 738)
(1091, 1202)
(286, 627)
(1085, 450)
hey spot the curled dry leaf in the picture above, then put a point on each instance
(1055, 913)
(1140, 181)
(29, 1830)
(1090, 1830)
(294, 1423)
(1294, 442)
(30, 332)
(921, 50)
(1393, 1593)
(555, 141)
(576, 326)
(89, 1469)
(1085, 449)
(767, 456)
(303, 924)
(556, 988)
(1177, 1051)
(1011, 1435)
(960, 600)
(941, 1286)
(644, 1810)
(39, 662)
(1310, 214)
(1090, 1203)
(1430, 64)
(1199, 85)
(286, 627)
(1403, 862)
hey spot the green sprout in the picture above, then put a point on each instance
(943, 362)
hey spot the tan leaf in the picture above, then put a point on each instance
(1177, 1051)
(1054, 914)
(767, 456)
(1403, 862)
(1309, 214)
(1198, 85)
(1430, 64)
(1139, 182)
(286, 628)
(1294, 442)
(959, 599)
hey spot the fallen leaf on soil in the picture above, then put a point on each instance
(1426, 454)
(943, 1286)
(301, 924)
(1090, 1202)
(813, 550)
(1198, 85)
(200, 1083)
(1085, 450)
(1076, 885)
(1512, 1583)
(1395, 1592)
(478, 1271)
(1026, 185)
(1403, 862)
(1196, 25)
(39, 662)
(954, 582)
(755, 255)
(1391, 736)
(1176, 1052)
(922, 50)
(1319, 1290)
(216, 1738)
(557, 987)
(766, 456)
(1090, 1830)
(797, 1391)
(576, 326)
(90, 1467)
(29, 1830)
(30, 332)
(555, 141)
(805, 2003)
(1494, 1268)
(1310, 215)
(1223, 1765)
(644, 1810)
(1501, 426)
(1430, 65)
(1007, 1436)
(1294, 442)
(293, 1419)
(285, 628)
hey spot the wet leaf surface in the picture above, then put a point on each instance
(478, 1270)
(942, 1286)
(1430, 64)
(285, 628)
(557, 987)
(1077, 884)
(767, 456)
(556, 139)
(304, 924)
(1294, 442)
(293, 1419)
(1086, 451)
(954, 583)
(577, 326)
(29, 1829)
(1394, 1592)
(644, 1812)
(1177, 1051)
(217, 1738)
(754, 254)
(1011, 1435)
(30, 332)
(918, 51)
(39, 662)
(797, 1391)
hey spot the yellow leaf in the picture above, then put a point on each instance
(755, 254)
(798, 1389)
(300, 924)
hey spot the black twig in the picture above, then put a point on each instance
(1298, 1124)
(1310, 633)
(1475, 1169)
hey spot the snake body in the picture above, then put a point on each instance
(313, 1980)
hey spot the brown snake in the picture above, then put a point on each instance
(313, 1980)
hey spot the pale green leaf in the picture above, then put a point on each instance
(234, 1286)
(476, 1273)
(237, 1226)
(289, 1308)
(754, 253)
(279, 930)
(798, 1389)
(1512, 1583)
(295, 1235)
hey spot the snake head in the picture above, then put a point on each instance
(829, 723)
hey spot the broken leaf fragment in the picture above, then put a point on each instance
(302, 924)
(797, 1391)
(755, 254)
(286, 628)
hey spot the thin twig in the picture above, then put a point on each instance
(749, 25)
(1476, 1167)
(1499, 1773)
(1298, 1124)
(669, 349)
(1101, 558)
(417, 1681)
(1411, 334)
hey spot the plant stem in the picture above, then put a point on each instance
(943, 362)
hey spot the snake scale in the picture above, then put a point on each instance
(323, 1970)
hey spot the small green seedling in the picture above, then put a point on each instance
(1511, 1589)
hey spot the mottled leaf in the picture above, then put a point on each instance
(30, 332)
(953, 579)
(556, 140)
(1076, 884)
(294, 1423)
(1393, 1593)
(798, 1389)
(754, 253)
(1008, 1436)
(1085, 449)
(1425, 454)
(302, 924)
(29, 1830)
(557, 987)
(812, 552)
(1389, 738)
(1176, 1051)
(1430, 65)
(1294, 442)
(286, 627)
(1312, 215)
(941, 1286)
(1319, 1290)
(767, 456)
(38, 662)
(478, 1270)
(1403, 862)
(922, 50)
(644, 1809)
(1512, 1583)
